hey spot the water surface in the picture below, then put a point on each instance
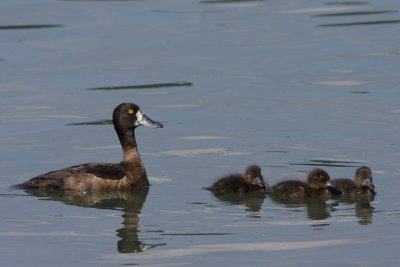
(288, 85)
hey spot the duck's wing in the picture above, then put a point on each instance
(101, 170)
(56, 179)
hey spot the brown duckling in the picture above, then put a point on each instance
(251, 181)
(126, 175)
(317, 184)
(361, 186)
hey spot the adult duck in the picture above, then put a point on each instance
(126, 175)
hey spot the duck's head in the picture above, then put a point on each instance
(253, 175)
(318, 179)
(128, 116)
(364, 177)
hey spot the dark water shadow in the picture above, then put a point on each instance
(99, 122)
(347, 3)
(130, 203)
(143, 86)
(317, 208)
(327, 163)
(228, 1)
(252, 201)
(362, 207)
(356, 14)
(360, 23)
(360, 92)
(29, 26)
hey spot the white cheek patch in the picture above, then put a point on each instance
(139, 118)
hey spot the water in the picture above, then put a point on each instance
(288, 85)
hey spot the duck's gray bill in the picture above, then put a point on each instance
(146, 121)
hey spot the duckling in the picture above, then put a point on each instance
(361, 186)
(317, 183)
(251, 181)
(126, 175)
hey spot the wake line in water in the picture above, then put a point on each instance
(143, 86)
(361, 23)
(29, 27)
(235, 247)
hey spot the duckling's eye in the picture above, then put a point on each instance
(131, 111)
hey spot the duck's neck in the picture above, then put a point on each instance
(129, 147)
(132, 163)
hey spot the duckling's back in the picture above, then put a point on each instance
(348, 188)
(344, 186)
(290, 189)
(230, 184)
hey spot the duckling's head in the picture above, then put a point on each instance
(128, 116)
(364, 177)
(318, 179)
(253, 176)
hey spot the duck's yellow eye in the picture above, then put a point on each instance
(130, 111)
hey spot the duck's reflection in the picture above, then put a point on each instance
(252, 201)
(317, 208)
(363, 208)
(364, 211)
(130, 203)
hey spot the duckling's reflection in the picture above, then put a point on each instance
(317, 208)
(363, 208)
(131, 203)
(252, 201)
(364, 211)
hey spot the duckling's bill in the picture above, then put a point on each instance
(368, 183)
(260, 182)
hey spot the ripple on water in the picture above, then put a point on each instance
(330, 162)
(202, 137)
(233, 3)
(340, 83)
(319, 9)
(94, 148)
(161, 255)
(355, 13)
(160, 179)
(53, 234)
(201, 152)
(302, 147)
